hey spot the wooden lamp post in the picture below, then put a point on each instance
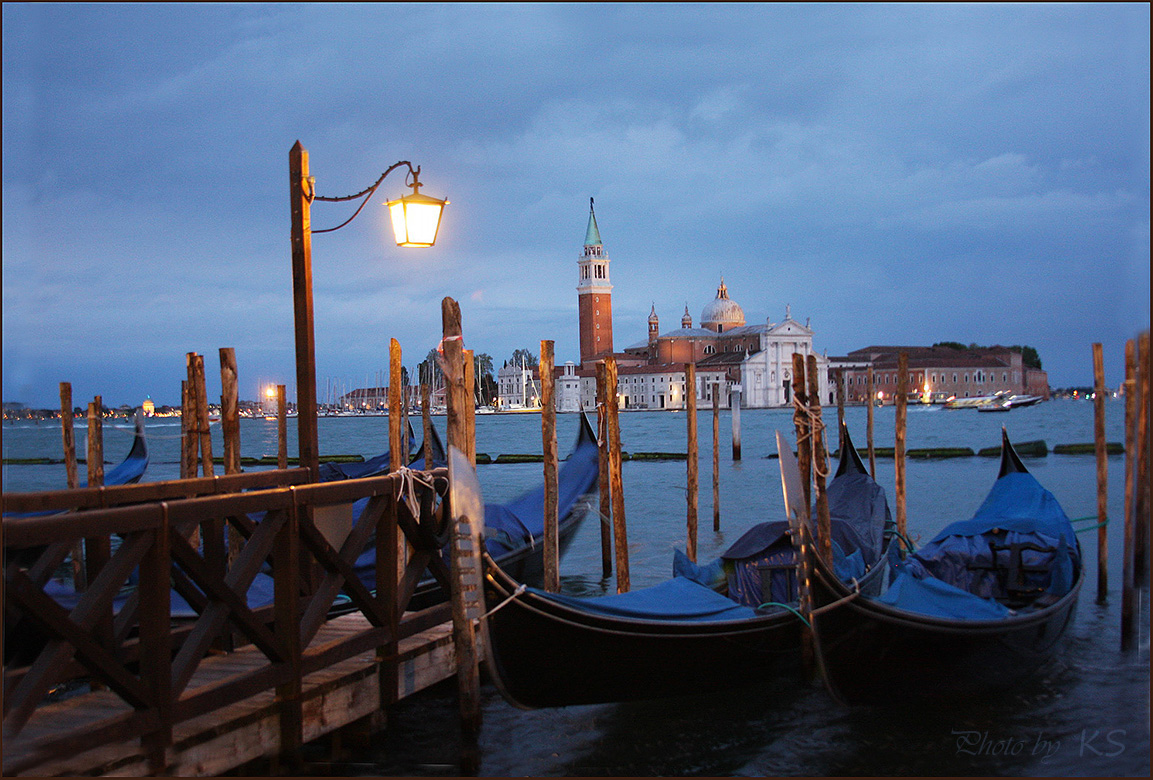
(415, 220)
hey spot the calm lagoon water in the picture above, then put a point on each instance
(1086, 714)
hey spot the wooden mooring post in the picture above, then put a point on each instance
(1102, 473)
(426, 424)
(735, 407)
(870, 390)
(464, 635)
(229, 410)
(716, 457)
(68, 435)
(548, 444)
(204, 433)
(801, 423)
(620, 535)
(1129, 595)
(899, 450)
(691, 494)
(1141, 530)
(603, 482)
(820, 461)
(470, 406)
(281, 427)
(395, 433)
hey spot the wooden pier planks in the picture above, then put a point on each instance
(216, 742)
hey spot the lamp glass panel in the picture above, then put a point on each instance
(422, 221)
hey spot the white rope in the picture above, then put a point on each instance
(409, 479)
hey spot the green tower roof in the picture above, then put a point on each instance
(593, 234)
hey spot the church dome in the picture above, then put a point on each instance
(722, 313)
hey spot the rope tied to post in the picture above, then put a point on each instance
(409, 479)
(816, 423)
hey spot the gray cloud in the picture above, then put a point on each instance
(898, 173)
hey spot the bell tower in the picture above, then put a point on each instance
(594, 296)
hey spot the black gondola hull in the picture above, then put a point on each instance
(911, 656)
(542, 654)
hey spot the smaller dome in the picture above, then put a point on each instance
(722, 313)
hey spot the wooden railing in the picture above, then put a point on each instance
(122, 633)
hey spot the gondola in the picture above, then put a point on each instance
(682, 636)
(979, 608)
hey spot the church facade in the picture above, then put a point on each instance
(752, 363)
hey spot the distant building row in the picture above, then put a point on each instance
(752, 360)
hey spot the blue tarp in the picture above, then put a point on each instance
(675, 599)
(767, 549)
(958, 574)
(931, 596)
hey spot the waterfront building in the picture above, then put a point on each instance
(754, 359)
(148, 407)
(939, 373)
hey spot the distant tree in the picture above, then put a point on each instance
(526, 355)
(950, 345)
(1029, 355)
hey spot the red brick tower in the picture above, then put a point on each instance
(594, 296)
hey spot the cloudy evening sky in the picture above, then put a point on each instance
(898, 174)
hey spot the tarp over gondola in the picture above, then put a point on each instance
(977, 609)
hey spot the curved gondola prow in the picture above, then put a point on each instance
(130, 470)
(1010, 461)
(850, 461)
(497, 582)
(587, 434)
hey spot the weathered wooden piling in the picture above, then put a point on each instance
(281, 427)
(229, 410)
(464, 636)
(201, 432)
(97, 549)
(1102, 473)
(230, 432)
(189, 441)
(692, 493)
(470, 407)
(840, 372)
(801, 423)
(1141, 530)
(395, 434)
(603, 482)
(735, 407)
(620, 536)
(820, 461)
(899, 450)
(548, 444)
(1128, 585)
(869, 428)
(716, 457)
(426, 424)
(95, 443)
(68, 436)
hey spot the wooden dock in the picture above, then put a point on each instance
(236, 682)
(217, 742)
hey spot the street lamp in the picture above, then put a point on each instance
(415, 221)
